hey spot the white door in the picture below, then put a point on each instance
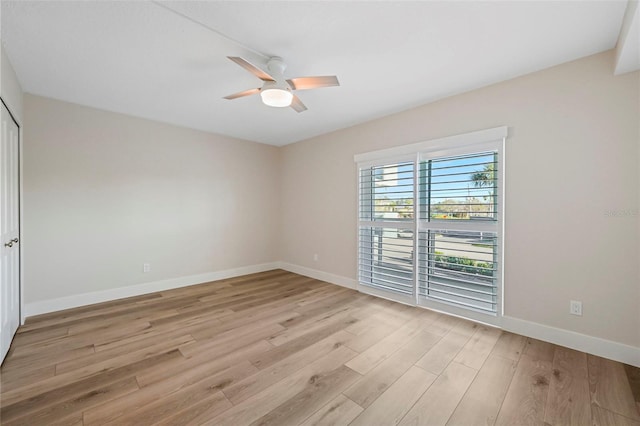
(9, 232)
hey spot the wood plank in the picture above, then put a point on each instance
(232, 308)
(337, 300)
(117, 410)
(438, 403)
(60, 317)
(213, 364)
(568, 402)
(319, 392)
(228, 341)
(382, 350)
(273, 374)
(102, 363)
(396, 401)
(609, 387)
(263, 402)
(190, 393)
(526, 397)
(482, 401)
(108, 357)
(370, 335)
(603, 417)
(52, 346)
(633, 375)
(266, 359)
(121, 323)
(368, 319)
(478, 348)
(380, 378)
(339, 412)
(311, 324)
(199, 313)
(372, 311)
(13, 379)
(318, 294)
(105, 320)
(271, 314)
(74, 405)
(59, 388)
(443, 352)
(37, 336)
(443, 324)
(277, 299)
(47, 358)
(509, 346)
(109, 333)
(88, 312)
(145, 338)
(539, 350)
(72, 420)
(199, 412)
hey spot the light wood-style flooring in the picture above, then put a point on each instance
(277, 348)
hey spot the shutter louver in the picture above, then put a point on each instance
(386, 258)
(386, 193)
(459, 188)
(459, 267)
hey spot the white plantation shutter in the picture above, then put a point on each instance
(458, 228)
(430, 225)
(386, 231)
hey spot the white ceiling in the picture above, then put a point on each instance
(166, 61)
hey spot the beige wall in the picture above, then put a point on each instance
(571, 173)
(105, 193)
(10, 89)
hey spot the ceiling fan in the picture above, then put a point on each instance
(276, 91)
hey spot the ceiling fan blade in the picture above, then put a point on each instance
(242, 94)
(297, 104)
(251, 68)
(304, 83)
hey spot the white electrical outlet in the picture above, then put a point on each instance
(146, 267)
(315, 257)
(575, 307)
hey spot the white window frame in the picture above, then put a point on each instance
(484, 140)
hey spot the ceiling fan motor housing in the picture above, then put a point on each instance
(277, 66)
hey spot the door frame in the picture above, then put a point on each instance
(20, 213)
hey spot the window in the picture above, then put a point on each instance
(430, 223)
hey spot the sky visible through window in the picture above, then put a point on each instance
(461, 187)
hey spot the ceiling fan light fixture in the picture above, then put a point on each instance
(276, 97)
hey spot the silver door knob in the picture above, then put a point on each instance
(15, 240)
(9, 244)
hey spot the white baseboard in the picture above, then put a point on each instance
(61, 303)
(570, 339)
(319, 275)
